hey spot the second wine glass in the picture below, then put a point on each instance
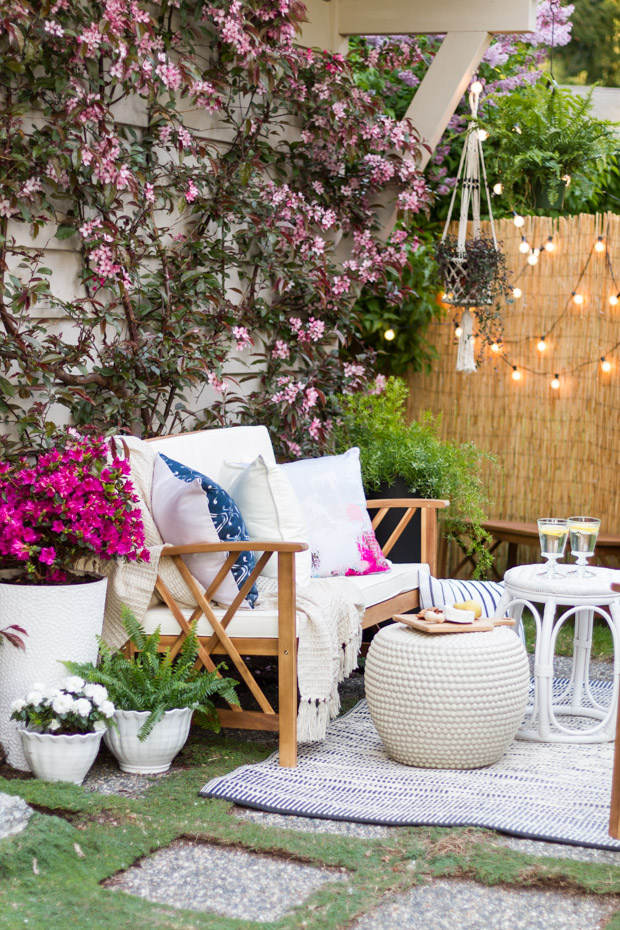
(583, 532)
(553, 534)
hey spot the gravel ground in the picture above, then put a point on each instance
(446, 905)
(229, 882)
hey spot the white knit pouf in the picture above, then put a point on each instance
(451, 701)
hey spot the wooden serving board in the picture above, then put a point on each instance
(483, 625)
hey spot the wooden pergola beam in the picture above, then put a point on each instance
(416, 17)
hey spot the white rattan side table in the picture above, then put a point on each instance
(561, 599)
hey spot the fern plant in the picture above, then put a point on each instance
(542, 135)
(151, 680)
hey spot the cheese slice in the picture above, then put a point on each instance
(453, 615)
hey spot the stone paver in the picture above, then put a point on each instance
(228, 882)
(14, 815)
(464, 905)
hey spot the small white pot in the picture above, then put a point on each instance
(60, 758)
(156, 753)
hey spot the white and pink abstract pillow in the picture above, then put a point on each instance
(341, 538)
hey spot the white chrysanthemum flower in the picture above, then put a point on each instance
(34, 698)
(62, 703)
(55, 725)
(18, 705)
(99, 725)
(107, 708)
(82, 707)
(50, 693)
(97, 693)
(73, 683)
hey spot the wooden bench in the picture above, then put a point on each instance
(516, 534)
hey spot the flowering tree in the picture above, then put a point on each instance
(204, 169)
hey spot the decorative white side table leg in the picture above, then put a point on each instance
(582, 648)
(543, 671)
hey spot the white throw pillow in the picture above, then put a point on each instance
(331, 494)
(181, 512)
(270, 510)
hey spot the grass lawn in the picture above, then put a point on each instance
(51, 874)
(602, 642)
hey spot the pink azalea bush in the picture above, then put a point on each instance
(72, 503)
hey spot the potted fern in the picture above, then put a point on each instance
(155, 696)
(543, 138)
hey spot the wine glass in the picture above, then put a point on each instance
(583, 532)
(553, 534)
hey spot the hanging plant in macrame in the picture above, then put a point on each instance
(473, 269)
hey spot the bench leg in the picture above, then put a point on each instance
(287, 660)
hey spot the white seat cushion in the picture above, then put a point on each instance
(264, 623)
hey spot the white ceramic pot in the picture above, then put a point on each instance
(155, 754)
(62, 622)
(60, 758)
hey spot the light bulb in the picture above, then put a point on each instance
(567, 179)
(476, 87)
(516, 374)
(532, 258)
(498, 188)
(542, 345)
(555, 383)
(599, 245)
(577, 298)
(524, 246)
(447, 296)
(613, 299)
(483, 135)
(458, 332)
(550, 245)
(518, 220)
(605, 365)
(494, 347)
(516, 129)
(389, 334)
(517, 292)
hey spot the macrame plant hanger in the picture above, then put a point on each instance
(459, 290)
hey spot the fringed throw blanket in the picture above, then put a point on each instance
(329, 610)
(329, 627)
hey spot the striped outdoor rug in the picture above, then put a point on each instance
(543, 791)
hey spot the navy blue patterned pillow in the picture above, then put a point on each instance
(227, 521)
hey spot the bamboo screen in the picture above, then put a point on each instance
(558, 449)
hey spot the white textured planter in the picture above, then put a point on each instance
(159, 748)
(62, 622)
(60, 758)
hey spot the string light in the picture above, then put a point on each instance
(532, 258)
(389, 334)
(476, 87)
(517, 292)
(577, 298)
(516, 374)
(516, 129)
(517, 219)
(494, 347)
(542, 345)
(498, 188)
(599, 245)
(556, 382)
(458, 331)
(567, 179)
(550, 245)
(524, 246)
(605, 365)
(613, 299)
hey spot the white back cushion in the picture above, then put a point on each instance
(207, 450)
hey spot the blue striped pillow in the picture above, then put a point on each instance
(440, 592)
(436, 592)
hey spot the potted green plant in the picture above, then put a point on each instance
(61, 727)
(399, 459)
(543, 141)
(156, 696)
(63, 507)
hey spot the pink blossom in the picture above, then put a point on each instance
(281, 349)
(47, 555)
(216, 383)
(192, 191)
(149, 193)
(242, 337)
(54, 28)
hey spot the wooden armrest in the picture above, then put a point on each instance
(428, 512)
(407, 502)
(234, 546)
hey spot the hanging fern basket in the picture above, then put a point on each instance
(469, 274)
